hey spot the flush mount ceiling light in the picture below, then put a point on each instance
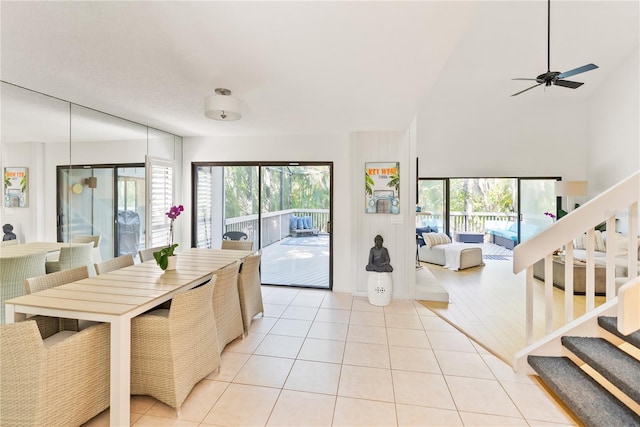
(222, 106)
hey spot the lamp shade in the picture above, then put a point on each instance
(222, 106)
(571, 188)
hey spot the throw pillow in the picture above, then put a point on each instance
(307, 223)
(293, 222)
(433, 239)
(300, 223)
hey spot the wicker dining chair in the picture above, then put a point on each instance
(114, 264)
(238, 245)
(226, 305)
(13, 271)
(48, 281)
(95, 239)
(249, 289)
(9, 242)
(71, 257)
(171, 350)
(147, 254)
(65, 382)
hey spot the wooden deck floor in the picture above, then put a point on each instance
(297, 261)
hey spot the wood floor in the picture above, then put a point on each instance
(487, 303)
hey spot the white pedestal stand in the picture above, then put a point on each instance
(380, 288)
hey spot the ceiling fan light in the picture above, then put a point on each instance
(222, 106)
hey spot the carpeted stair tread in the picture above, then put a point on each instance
(618, 367)
(610, 324)
(588, 400)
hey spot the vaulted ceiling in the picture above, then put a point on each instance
(304, 67)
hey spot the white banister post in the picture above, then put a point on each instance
(568, 282)
(633, 241)
(590, 272)
(529, 305)
(611, 257)
(548, 293)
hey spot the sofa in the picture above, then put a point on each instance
(600, 254)
(438, 249)
(301, 226)
(507, 235)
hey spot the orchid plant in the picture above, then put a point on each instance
(162, 256)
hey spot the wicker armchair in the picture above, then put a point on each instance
(238, 245)
(72, 257)
(64, 384)
(50, 325)
(171, 350)
(147, 254)
(13, 271)
(226, 305)
(95, 239)
(249, 289)
(114, 264)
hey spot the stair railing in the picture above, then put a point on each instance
(620, 201)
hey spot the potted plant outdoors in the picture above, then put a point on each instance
(165, 257)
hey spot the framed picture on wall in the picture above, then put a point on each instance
(382, 187)
(15, 187)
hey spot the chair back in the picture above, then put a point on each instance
(234, 235)
(114, 264)
(48, 281)
(147, 254)
(237, 245)
(95, 239)
(13, 272)
(249, 289)
(226, 305)
(72, 257)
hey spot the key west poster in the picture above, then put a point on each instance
(15, 188)
(382, 187)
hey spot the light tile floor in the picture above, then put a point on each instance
(319, 358)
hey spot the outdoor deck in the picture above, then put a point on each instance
(304, 261)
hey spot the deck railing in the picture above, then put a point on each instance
(475, 222)
(275, 225)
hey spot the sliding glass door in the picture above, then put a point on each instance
(283, 208)
(505, 211)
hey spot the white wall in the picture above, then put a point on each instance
(614, 127)
(397, 230)
(502, 138)
(319, 148)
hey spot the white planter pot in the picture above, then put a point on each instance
(173, 261)
(380, 288)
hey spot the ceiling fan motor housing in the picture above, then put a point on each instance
(548, 77)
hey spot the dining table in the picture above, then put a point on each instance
(117, 297)
(32, 248)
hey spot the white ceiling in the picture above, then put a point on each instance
(304, 67)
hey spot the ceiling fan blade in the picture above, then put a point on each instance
(529, 88)
(578, 70)
(568, 83)
(533, 80)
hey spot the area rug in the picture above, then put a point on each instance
(306, 241)
(498, 257)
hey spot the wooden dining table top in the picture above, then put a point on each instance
(21, 249)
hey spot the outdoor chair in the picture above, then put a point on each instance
(95, 239)
(237, 245)
(13, 272)
(147, 254)
(234, 235)
(226, 305)
(171, 350)
(71, 257)
(114, 264)
(62, 380)
(49, 325)
(249, 289)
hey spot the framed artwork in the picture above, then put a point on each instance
(382, 187)
(16, 187)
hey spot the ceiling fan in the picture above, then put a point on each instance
(555, 77)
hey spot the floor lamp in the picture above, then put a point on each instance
(570, 189)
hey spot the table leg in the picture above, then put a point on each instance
(120, 371)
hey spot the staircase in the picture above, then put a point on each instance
(589, 397)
